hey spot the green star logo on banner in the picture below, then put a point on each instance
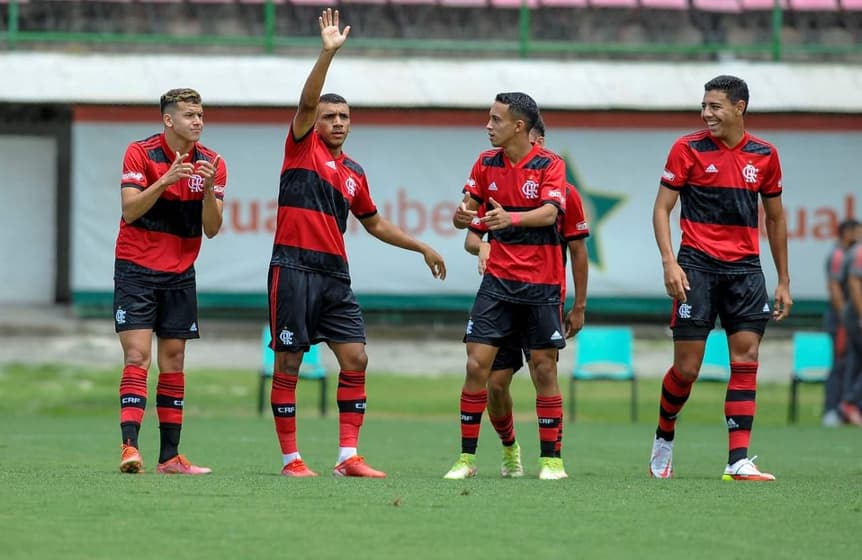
(598, 206)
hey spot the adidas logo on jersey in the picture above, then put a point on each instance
(492, 186)
(712, 168)
(330, 164)
(556, 336)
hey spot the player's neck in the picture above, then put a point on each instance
(335, 152)
(733, 138)
(177, 144)
(517, 149)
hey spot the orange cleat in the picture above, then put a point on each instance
(181, 465)
(130, 460)
(851, 412)
(298, 469)
(356, 466)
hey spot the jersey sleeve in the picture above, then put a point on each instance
(134, 168)
(553, 187)
(220, 183)
(475, 183)
(771, 185)
(296, 147)
(575, 224)
(362, 206)
(677, 167)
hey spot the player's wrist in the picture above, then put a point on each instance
(516, 218)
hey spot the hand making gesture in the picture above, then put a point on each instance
(330, 34)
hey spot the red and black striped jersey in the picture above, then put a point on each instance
(525, 264)
(852, 266)
(719, 188)
(835, 266)
(315, 195)
(167, 238)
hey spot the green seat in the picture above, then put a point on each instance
(716, 358)
(311, 368)
(812, 361)
(604, 354)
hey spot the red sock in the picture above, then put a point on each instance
(133, 402)
(472, 407)
(549, 411)
(283, 401)
(351, 399)
(674, 392)
(505, 426)
(739, 408)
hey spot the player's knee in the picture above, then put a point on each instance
(137, 357)
(357, 360)
(497, 389)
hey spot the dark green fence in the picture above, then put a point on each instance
(523, 42)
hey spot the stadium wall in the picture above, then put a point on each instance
(417, 154)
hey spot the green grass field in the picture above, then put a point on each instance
(62, 496)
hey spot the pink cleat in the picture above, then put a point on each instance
(130, 460)
(298, 469)
(356, 466)
(181, 465)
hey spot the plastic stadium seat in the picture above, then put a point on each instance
(464, 3)
(814, 5)
(812, 360)
(614, 3)
(716, 358)
(723, 6)
(563, 3)
(665, 4)
(604, 354)
(311, 368)
(513, 4)
(760, 5)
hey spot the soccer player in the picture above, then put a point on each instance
(521, 187)
(718, 174)
(836, 277)
(310, 298)
(574, 229)
(852, 316)
(172, 190)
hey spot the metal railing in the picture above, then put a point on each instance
(524, 46)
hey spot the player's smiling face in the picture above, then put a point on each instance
(333, 124)
(722, 118)
(502, 125)
(186, 121)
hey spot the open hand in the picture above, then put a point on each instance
(330, 34)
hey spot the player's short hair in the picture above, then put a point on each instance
(521, 105)
(170, 98)
(735, 88)
(539, 126)
(847, 225)
(332, 98)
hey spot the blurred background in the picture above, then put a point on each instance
(617, 80)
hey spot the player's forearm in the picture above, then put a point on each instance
(472, 243)
(212, 215)
(836, 298)
(310, 96)
(137, 203)
(389, 233)
(543, 216)
(854, 285)
(661, 230)
(580, 272)
(776, 233)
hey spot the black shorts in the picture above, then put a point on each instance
(170, 312)
(496, 322)
(309, 307)
(511, 355)
(739, 300)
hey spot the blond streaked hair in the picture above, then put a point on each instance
(170, 98)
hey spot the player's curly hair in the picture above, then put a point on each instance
(521, 105)
(170, 98)
(735, 88)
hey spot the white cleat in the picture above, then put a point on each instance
(661, 459)
(745, 469)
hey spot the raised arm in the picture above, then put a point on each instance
(331, 38)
